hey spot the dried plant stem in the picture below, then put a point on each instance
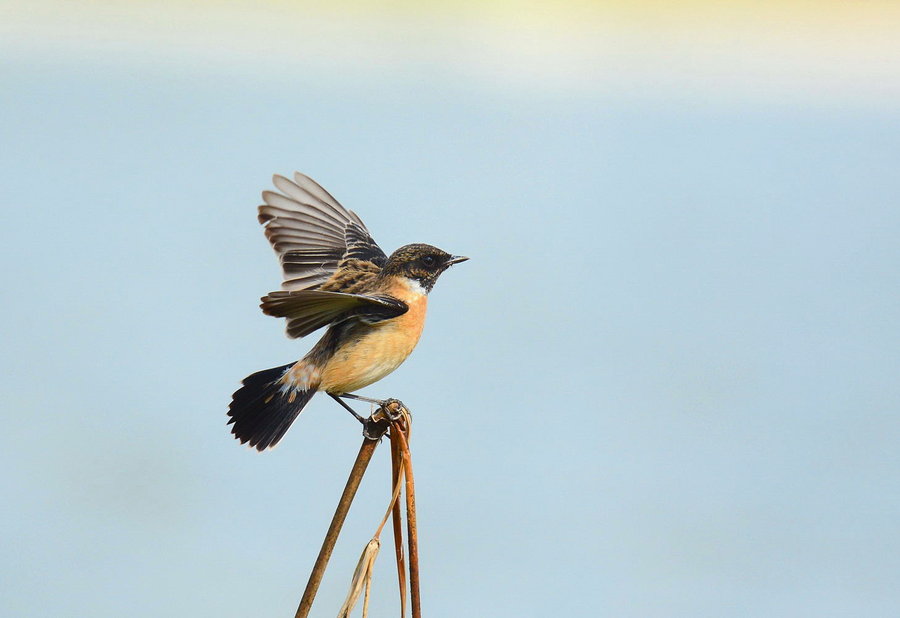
(397, 524)
(340, 514)
(411, 528)
(362, 575)
(366, 597)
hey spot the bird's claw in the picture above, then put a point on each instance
(389, 411)
(374, 429)
(392, 409)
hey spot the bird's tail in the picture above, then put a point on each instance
(263, 409)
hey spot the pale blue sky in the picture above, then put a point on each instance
(664, 385)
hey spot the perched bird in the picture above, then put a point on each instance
(335, 275)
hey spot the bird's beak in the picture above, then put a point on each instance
(456, 259)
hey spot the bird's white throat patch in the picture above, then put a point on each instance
(415, 287)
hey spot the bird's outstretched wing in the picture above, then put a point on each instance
(308, 310)
(311, 232)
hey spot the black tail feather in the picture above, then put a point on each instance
(261, 412)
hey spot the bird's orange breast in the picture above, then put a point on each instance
(381, 349)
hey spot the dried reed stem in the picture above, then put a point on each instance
(340, 514)
(411, 528)
(397, 523)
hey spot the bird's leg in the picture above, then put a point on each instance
(373, 429)
(391, 407)
(360, 398)
(338, 399)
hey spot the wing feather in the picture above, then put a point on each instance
(312, 233)
(305, 182)
(309, 310)
(301, 211)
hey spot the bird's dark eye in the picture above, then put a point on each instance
(429, 260)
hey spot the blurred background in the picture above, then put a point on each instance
(666, 384)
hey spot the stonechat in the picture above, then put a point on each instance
(335, 275)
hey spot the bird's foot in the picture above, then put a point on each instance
(392, 409)
(375, 429)
(389, 411)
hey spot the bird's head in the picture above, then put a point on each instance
(421, 263)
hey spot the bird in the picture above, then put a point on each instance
(335, 275)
